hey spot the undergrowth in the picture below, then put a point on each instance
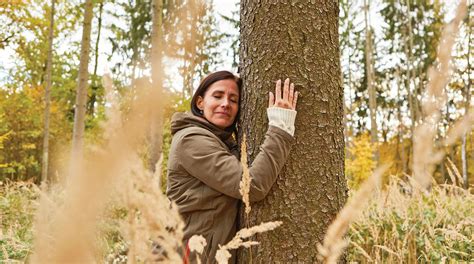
(396, 227)
(16, 220)
(399, 226)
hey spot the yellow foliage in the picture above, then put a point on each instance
(2, 138)
(359, 160)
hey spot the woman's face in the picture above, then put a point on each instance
(220, 103)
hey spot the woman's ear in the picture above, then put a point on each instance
(200, 102)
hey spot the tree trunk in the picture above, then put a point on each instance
(369, 71)
(156, 127)
(96, 82)
(299, 41)
(400, 142)
(47, 99)
(81, 92)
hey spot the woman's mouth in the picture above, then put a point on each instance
(223, 113)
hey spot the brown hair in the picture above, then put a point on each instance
(207, 82)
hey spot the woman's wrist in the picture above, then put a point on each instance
(282, 118)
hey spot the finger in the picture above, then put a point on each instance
(278, 90)
(271, 99)
(286, 89)
(291, 95)
(295, 99)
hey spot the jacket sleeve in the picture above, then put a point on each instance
(205, 158)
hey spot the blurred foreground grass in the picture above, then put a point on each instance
(397, 227)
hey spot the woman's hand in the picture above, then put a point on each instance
(289, 98)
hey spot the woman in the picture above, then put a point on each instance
(204, 170)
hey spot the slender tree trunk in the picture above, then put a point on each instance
(400, 142)
(370, 82)
(408, 48)
(156, 127)
(467, 103)
(81, 92)
(414, 94)
(96, 83)
(47, 99)
(299, 41)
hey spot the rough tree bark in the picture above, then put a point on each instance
(156, 127)
(299, 41)
(81, 92)
(47, 98)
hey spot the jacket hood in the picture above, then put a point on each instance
(182, 120)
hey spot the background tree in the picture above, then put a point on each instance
(369, 73)
(82, 83)
(131, 40)
(156, 127)
(97, 91)
(23, 83)
(275, 44)
(47, 98)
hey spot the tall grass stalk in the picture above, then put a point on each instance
(334, 242)
(246, 179)
(223, 255)
(196, 244)
(68, 233)
(425, 155)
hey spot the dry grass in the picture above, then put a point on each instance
(425, 155)
(66, 231)
(16, 220)
(152, 222)
(334, 242)
(245, 182)
(223, 255)
(196, 244)
(397, 228)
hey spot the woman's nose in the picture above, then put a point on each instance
(225, 102)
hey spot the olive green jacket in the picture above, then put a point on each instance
(204, 173)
